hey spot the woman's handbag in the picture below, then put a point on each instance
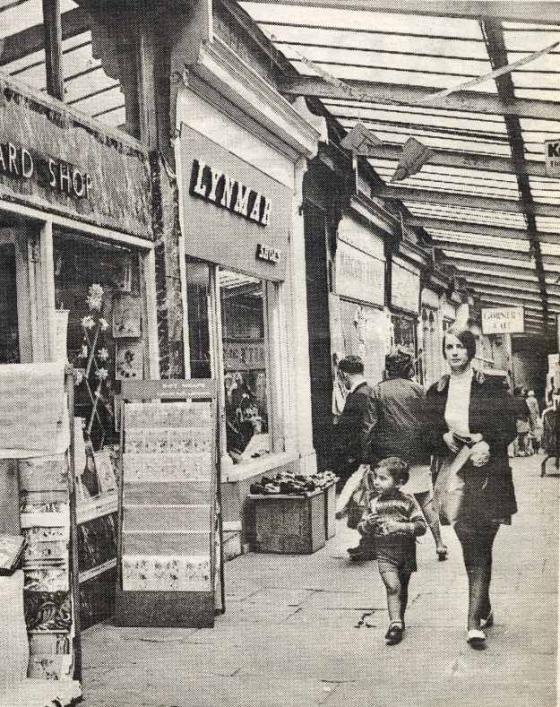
(449, 487)
(359, 500)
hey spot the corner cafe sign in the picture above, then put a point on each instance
(19, 162)
(503, 320)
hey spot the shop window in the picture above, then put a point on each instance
(99, 286)
(242, 301)
(241, 343)
(405, 334)
(9, 339)
(198, 298)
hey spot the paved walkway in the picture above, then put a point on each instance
(289, 637)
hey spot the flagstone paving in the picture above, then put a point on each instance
(308, 630)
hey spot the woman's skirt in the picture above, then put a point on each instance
(420, 480)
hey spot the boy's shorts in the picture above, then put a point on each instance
(398, 567)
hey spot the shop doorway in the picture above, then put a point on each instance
(228, 314)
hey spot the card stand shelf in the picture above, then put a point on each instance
(168, 568)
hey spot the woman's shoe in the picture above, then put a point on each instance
(488, 622)
(441, 553)
(394, 635)
(476, 638)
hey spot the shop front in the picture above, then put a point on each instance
(77, 284)
(359, 323)
(405, 308)
(244, 279)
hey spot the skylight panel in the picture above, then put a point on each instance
(517, 245)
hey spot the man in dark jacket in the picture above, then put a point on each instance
(352, 434)
(352, 438)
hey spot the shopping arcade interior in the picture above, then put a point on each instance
(483, 196)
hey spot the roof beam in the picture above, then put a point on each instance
(505, 283)
(493, 271)
(16, 46)
(507, 266)
(400, 94)
(457, 226)
(507, 301)
(449, 198)
(495, 43)
(476, 251)
(462, 160)
(513, 296)
(511, 11)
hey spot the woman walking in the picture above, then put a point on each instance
(465, 408)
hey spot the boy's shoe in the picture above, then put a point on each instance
(394, 635)
(476, 639)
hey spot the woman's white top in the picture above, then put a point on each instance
(458, 402)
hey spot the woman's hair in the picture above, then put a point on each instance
(396, 467)
(351, 364)
(466, 337)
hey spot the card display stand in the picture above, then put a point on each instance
(48, 583)
(169, 537)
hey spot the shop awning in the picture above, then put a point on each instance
(484, 195)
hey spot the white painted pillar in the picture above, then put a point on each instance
(299, 420)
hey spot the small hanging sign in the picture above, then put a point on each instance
(552, 157)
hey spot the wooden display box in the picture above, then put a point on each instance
(330, 510)
(289, 524)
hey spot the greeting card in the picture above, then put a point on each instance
(127, 317)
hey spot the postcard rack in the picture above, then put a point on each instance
(169, 557)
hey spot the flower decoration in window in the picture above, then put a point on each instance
(93, 361)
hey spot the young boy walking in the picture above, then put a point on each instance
(395, 521)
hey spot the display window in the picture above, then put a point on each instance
(404, 329)
(97, 285)
(235, 306)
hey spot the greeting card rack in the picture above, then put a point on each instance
(169, 557)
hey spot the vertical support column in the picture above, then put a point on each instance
(46, 295)
(300, 416)
(53, 48)
(151, 316)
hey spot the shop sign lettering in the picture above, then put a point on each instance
(215, 186)
(19, 162)
(266, 252)
(503, 320)
(552, 157)
(244, 355)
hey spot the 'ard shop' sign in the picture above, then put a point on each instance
(215, 186)
(19, 162)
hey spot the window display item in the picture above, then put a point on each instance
(11, 551)
(127, 317)
(129, 361)
(32, 391)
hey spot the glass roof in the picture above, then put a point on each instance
(86, 85)
(480, 154)
(486, 138)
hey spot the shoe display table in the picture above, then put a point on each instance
(289, 524)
